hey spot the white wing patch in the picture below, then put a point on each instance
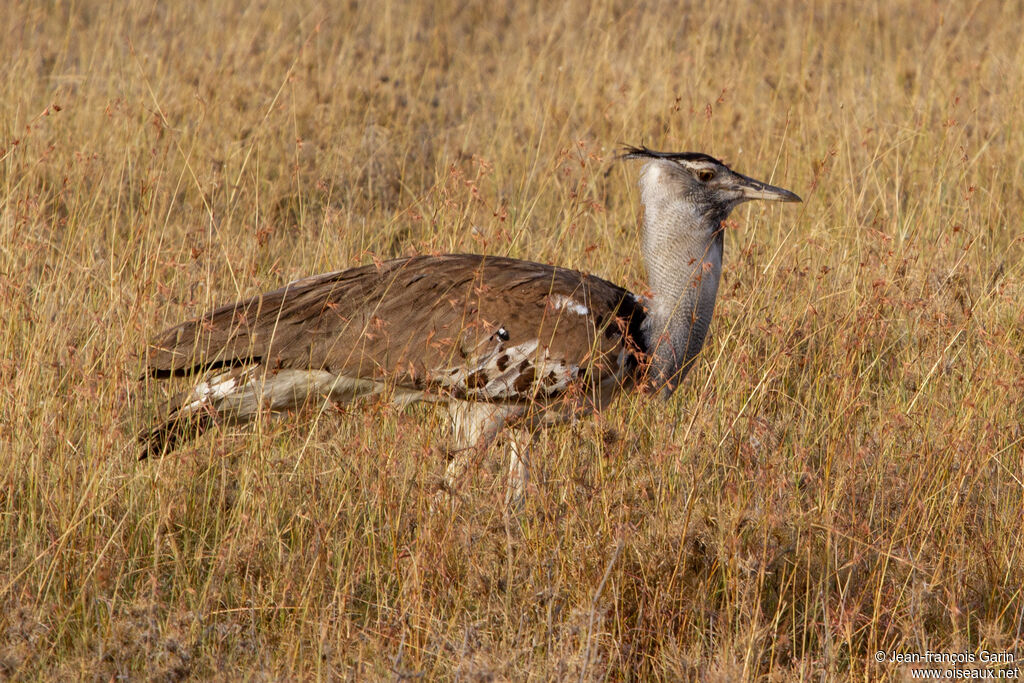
(210, 391)
(241, 394)
(560, 302)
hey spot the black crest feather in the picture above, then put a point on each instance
(643, 152)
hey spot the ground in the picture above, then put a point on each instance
(841, 474)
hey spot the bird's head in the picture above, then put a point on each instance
(699, 183)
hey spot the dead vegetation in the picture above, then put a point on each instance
(843, 473)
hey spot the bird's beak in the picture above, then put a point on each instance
(755, 189)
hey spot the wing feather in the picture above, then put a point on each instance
(463, 324)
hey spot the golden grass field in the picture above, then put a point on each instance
(841, 474)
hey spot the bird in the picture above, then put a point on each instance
(500, 342)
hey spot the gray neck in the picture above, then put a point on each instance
(682, 250)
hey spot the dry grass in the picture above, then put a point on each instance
(843, 473)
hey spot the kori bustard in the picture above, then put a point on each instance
(500, 341)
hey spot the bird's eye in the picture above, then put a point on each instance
(705, 174)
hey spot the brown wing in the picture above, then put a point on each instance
(488, 327)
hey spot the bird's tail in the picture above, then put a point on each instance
(173, 431)
(192, 412)
(238, 395)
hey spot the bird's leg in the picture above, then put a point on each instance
(458, 463)
(518, 469)
(474, 427)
